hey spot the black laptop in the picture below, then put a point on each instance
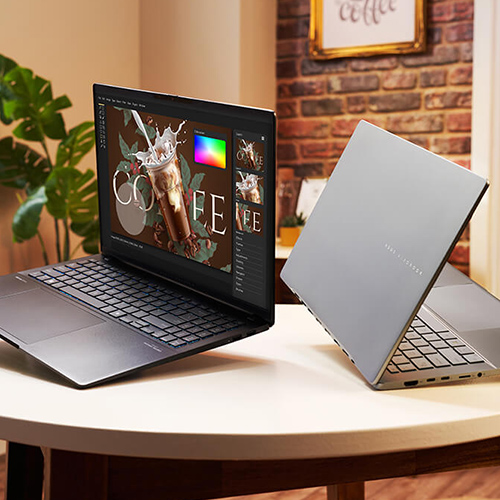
(186, 199)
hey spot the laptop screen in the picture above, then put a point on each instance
(186, 190)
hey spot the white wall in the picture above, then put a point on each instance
(485, 158)
(222, 50)
(73, 48)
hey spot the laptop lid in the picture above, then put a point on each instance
(186, 191)
(376, 241)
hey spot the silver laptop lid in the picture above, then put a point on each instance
(378, 237)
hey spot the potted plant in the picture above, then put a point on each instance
(42, 182)
(290, 229)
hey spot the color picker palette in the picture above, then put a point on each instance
(210, 151)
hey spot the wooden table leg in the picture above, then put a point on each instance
(347, 491)
(24, 472)
(78, 476)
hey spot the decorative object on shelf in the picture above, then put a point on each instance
(290, 229)
(68, 194)
(359, 28)
(287, 189)
(309, 193)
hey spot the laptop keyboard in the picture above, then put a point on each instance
(428, 344)
(167, 314)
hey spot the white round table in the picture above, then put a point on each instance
(285, 396)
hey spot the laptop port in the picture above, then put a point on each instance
(479, 374)
(411, 383)
(464, 376)
(445, 378)
(431, 380)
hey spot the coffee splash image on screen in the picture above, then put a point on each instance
(171, 195)
(162, 166)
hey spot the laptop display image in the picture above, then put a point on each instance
(371, 266)
(186, 211)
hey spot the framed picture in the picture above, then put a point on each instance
(359, 28)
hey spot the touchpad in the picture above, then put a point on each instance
(37, 315)
(465, 307)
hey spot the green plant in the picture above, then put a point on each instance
(293, 220)
(68, 194)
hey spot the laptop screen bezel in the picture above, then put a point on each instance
(171, 267)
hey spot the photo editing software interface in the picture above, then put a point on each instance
(186, 192)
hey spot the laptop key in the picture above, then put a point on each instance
(138, 323)
(159, 323)
(217, 329)
(439, 344)
(83, 297)
(455, 342)
(431, 337)
(464, 350)
(413, 354)
(437, 360)
(398, 360)
(392, 368)
(447, 335)
(421, 363)
(412, 335)
(168, 338)
(173, 329)
(205, 333)
(423, 329)
(427, 350)
(407, 367)
(188, 317)
(453, 357)
(473, 358)
(174, 320)
(419, 343)
(177, 343)
(191, 338)
(127, 318)
(117, 313)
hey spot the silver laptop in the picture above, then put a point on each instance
(371, 266)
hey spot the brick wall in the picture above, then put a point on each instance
(424, 97)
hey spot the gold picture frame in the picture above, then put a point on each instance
(346, 22)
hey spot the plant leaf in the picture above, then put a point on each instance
(196, 181)
(27, 218)
(185, 172)
(6, 93)
(34, 104)
(199, 229)
(89, 231)
(79, 141)
(205, 253)
(72, 194)
(20, 166)
(128, 153)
